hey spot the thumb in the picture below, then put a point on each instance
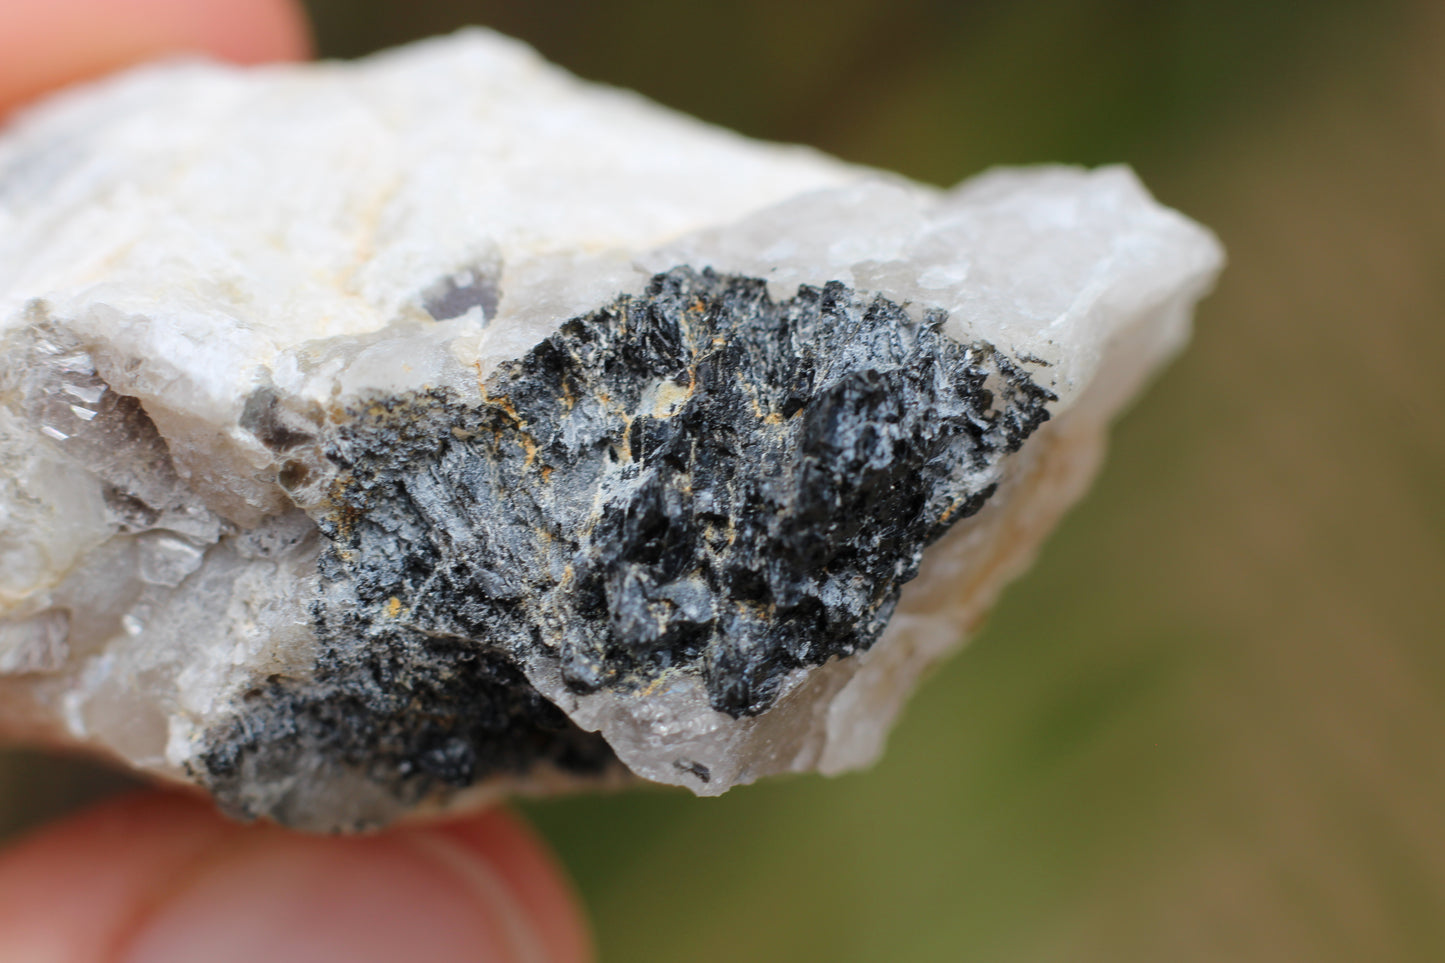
(157, 878)
(45, 44)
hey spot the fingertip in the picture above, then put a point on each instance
(531, 872)
(240, 31)
(157, 878)
(68, 889)
(46, 44)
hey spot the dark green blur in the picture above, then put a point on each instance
(1208, 725)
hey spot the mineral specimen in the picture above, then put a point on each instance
(381, 437)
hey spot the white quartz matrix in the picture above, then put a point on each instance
(207, 273)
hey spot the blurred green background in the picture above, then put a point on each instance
(1208, 725)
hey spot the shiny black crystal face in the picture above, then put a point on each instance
(695, 479)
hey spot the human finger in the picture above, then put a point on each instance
(45, 44)
(158, 878)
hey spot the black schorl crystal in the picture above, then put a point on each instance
(695, 479)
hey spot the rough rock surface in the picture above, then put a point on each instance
(373, 447)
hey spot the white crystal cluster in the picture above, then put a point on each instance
(189, 251)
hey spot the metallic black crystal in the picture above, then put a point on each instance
(697, 479)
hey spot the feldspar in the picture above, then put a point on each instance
(380, 437)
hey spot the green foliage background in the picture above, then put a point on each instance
(1208, 725)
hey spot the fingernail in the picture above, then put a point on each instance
(279, 899)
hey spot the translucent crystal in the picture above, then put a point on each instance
(36, 644)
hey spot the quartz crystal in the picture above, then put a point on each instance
(382, 437)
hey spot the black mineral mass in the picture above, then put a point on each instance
(697, 479)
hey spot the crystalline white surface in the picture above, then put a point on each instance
(189, 251)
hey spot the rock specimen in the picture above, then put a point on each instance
(378, 437)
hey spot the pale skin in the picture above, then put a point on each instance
(155, 877)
